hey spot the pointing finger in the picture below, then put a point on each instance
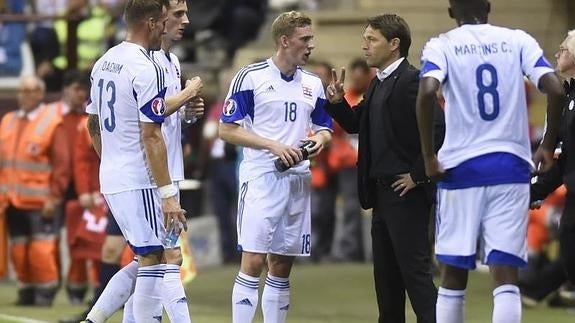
(342, 75)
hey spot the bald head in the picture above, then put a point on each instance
(30, 92)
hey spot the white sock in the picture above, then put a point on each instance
(275, 299)
(115, 294)
(174, 297)
(449, 307)
(506, 304)
(128, 316)
(148, 294)
(244, 298)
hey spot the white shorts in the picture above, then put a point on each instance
(274, 215)
(139, 216)
(496, 215)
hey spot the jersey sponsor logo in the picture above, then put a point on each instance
(307, 91)
(230, 106)
(158, 106)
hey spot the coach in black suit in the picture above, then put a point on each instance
(391, 172)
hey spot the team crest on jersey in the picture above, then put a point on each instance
(230, 107)
(307, 91)
(158, 106)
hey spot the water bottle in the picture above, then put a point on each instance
(188, 115)
(171, 237)
(305, 151)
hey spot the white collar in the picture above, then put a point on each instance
(382, 75)
(30, 115)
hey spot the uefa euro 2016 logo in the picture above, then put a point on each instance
(158, 106)
(230, 107)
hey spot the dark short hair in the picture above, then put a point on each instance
(393, 26)
(137, 10)
(76, 76)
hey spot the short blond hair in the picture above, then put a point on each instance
(287, 22)
(570, 42)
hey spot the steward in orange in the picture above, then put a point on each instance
(71, 108)
(34, 173)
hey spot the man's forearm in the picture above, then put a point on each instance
(156, 154)
(236, 135)
(94, 130)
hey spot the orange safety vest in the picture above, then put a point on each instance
(25, 169)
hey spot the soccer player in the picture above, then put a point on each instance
(173, 295)
(269, 109)
(484, 165)
(126, 114)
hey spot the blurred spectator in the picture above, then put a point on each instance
(221, 170)
(91, 23)
(323, 187)
(43, 39)
(12, 34)
(234, 22)
(342, 160)
(34, 173)
(543, 276)
(71, 108)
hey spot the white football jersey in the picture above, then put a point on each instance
(172, 126)
(482, 69)
(277, 107)
(127, 88)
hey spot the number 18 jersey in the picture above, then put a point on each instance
(127, 88)
(482, 69)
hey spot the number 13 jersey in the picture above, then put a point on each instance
(127, 88)
(482, 69)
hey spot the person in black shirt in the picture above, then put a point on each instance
(391, 174)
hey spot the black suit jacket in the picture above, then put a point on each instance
(398, 122)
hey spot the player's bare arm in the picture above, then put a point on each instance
(236, 135)
(94, 130)
(192, 89)
(322, 139)
(156, 154)
(551, 85)
(424, 108)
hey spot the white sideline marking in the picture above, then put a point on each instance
(20, 319)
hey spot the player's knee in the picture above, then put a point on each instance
(253, 264)
(151, 259)
(173, 256)
(280, 266)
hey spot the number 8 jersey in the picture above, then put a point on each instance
(127, 88)
(482, 69)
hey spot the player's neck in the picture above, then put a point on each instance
(139, 38)
(283, 65)
(471, 21)
(167, 44)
